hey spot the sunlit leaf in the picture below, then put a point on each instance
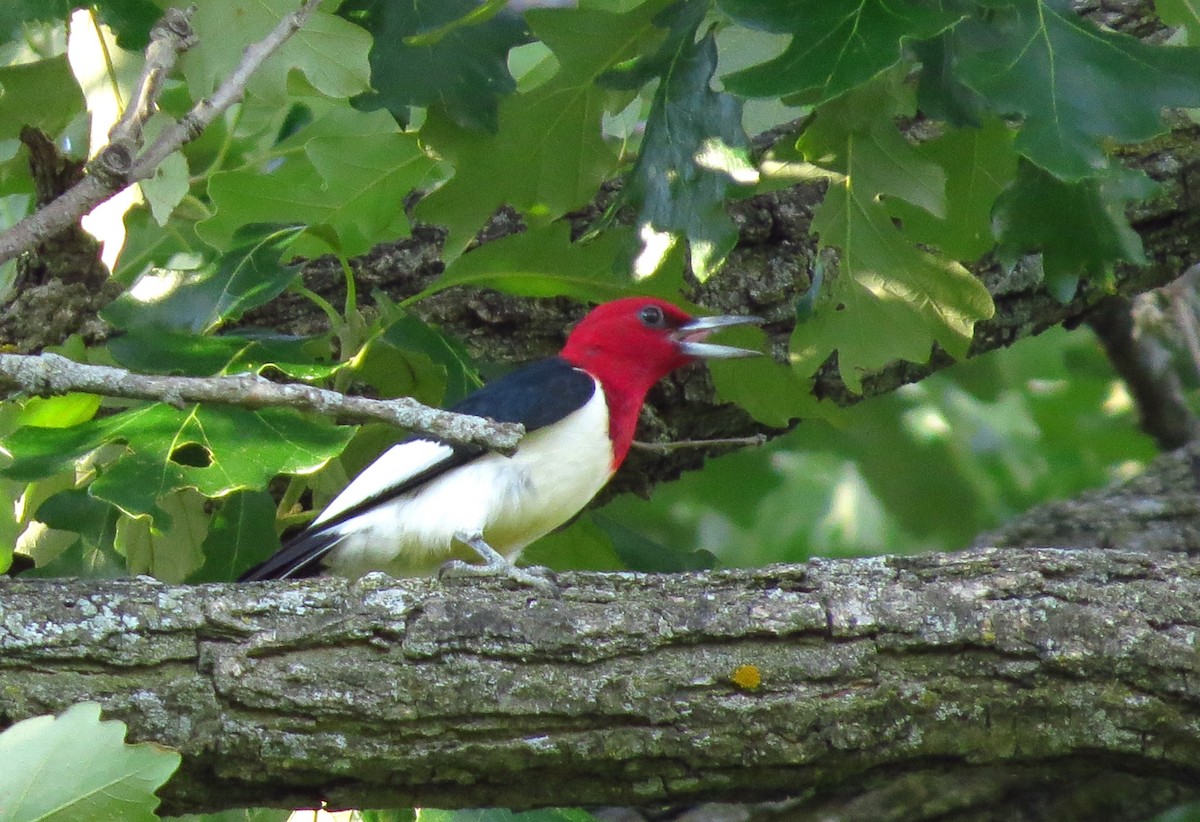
(96, 775)
(890, 300)
(693, 151)
(348, 200)
(329, 51)
(549, 154)
(201, 299)
(167, 548)
(978, 164)
(169, 449)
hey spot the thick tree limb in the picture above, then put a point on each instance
(990, 667)
(51, 374)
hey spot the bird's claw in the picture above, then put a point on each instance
(537, 576)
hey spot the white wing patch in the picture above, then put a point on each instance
(512, 500)
(395, 466)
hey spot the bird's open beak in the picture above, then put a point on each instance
(691, 338)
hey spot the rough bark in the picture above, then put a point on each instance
(1028, 676)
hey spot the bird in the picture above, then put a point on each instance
(424, 504)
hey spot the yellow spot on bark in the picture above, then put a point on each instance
(747, 677)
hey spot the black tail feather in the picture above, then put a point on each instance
(300, 557)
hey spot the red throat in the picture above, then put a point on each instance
(616, 346)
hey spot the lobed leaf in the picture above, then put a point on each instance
(96, 775)
(1077, 87)
(890, 300)
(463, 72)
(694, 149)
(349, 200)
(202, 447)
(201, 299)
(549, 155)
(835, 46)
(1080, 228)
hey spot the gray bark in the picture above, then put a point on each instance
(1022, 683)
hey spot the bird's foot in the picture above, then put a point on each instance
(495, 565)
(534, 577)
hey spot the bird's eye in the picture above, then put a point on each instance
(652, 317)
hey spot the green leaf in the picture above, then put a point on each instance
(148, 244)
(693, 150)
(241, 535)
(168, 548)
(167, 188)
(43, 94)
(835, 47)
(1185, 13)
(1078, 88)
(640, 553)
(1080, 228)
(581, 546)
(158, 351)
(348, 199)
(96, 775)
(15, 13)
(223, 289)
(59, 412)
(463, 72)
(549, 154)
(329, 51)
(203, 447)
(408, 333)
(545, 263)
(978, 163)
(92, 554)
(131, 20)
(772, 393)
(890, 299)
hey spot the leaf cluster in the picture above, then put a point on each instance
(474, 107)
(945, 132)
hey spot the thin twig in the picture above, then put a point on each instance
(51, 374)
(667, 447)
(118, 164)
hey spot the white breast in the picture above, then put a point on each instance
(513, 500)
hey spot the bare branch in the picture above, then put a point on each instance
(752, 441)
(50, 374)
(118, 164)
(1148, 372)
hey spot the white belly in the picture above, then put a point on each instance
(512, 500)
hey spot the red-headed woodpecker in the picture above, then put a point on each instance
(424, 500)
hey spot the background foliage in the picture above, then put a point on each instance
(1019, 103)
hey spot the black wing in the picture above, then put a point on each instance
(540, 394)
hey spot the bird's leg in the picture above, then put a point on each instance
(495, 565)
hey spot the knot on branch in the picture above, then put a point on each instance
(176, 26)
(113, 163)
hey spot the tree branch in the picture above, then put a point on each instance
(50, 374)
(118, 164)
(983, 666)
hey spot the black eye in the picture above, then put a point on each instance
(652, 317)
